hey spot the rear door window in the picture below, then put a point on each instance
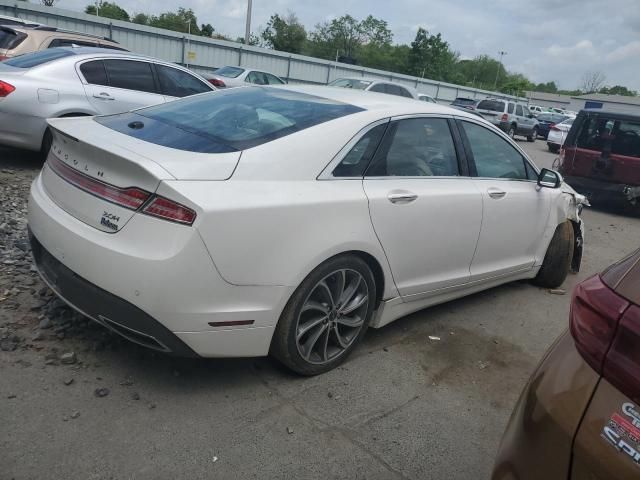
(511, 107)
(273, 80)
(357, 160)
(491, 105)
(94, 72)
(130, 75)
(416, 147)
(177, 83)
(379, 87)
(519, 112)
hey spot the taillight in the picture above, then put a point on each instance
(6, 89)
(606, 331)
(169, 210)
(216, 82)
(3, 57)
(505, 117)
(132, 198)
(553, 127)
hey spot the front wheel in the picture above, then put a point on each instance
(557, 260)
(326, 316)
(533, 136)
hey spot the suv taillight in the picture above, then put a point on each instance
(505, 117)
(6, 89)
(606, 331)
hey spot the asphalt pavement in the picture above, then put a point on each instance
(426, 397)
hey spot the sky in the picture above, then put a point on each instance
(544, 39)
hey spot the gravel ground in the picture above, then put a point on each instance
(77, 402)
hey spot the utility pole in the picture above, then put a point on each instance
(188, 43)
(502, 54)
(247, 32)
(97, 8)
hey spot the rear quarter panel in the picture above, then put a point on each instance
(595, 456)
(538, 439)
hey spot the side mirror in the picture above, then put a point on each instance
(549, 178)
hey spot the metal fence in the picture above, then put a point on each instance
(204, 54)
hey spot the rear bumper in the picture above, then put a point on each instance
(104, 307)
(537, 442)
(155, 278)
(598, 191)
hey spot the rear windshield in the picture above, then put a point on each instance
(350, 83)
(229, 72)
(29, 60)
(603, 133)
(464, 101)
(491, 105)
(10, 39)
(228, 120)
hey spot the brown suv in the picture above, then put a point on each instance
(601, 158)
(16, 40)
(579, 415)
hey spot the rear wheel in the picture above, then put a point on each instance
(557, 260)
(326, 316)
(553, 148)
(533, 136)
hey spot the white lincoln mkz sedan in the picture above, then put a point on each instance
(288, 220)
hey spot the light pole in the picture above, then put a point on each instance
(502, 54)
(188, 42)
(97, 8)
(247, 31)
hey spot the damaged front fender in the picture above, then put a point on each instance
(575, 203)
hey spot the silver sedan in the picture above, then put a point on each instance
(238, 77)
(72, 81)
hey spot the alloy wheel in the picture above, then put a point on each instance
(332, 316)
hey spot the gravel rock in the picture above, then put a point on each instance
(101, 392)
(45, 323)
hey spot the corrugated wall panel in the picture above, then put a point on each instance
(210, 54)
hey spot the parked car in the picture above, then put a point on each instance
(208, 196)
(18, 40)
(379, 86)
(237, 76)
(513, 118)
(464, 102)
(426, 98)
(73, 81)
(536, 110)
(548, 120)
(579, 415)
(558, 133)
(601, 158)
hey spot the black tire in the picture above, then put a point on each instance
(533, 136)
(512, 131)
(557, 260)
(553, 148)
(284, 345)
(47, 140)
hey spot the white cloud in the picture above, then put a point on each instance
(628, 51)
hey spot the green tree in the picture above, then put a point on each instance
(286, 34)
(177, 21)
(346, 36)
(479, 72)
(515, 84)
(431, 57)
(207, 30)
(549, 87)
(141, 19)
(254, 40)
(618, 90)
(108, 10)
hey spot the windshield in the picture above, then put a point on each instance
(29, 60)
(229, 72)
(568, 121)
(228, 120)
(464, 101)
(350, 83)
(491, 105)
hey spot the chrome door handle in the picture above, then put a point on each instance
(402, 197)
(495, 193)
(103, 96)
